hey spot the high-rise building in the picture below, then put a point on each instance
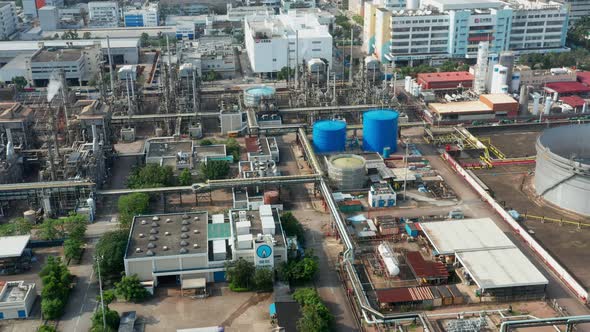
(578, 9)
(146, 16)
(103, 14)
(439, 29)
(8, 21)
(49, 18)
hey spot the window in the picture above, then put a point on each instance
(316, 49)
(274, 60)
(316, 42)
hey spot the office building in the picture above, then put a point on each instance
(284, 40)
(578, 9)
(103, 14)
(146, 16)
(49, 18)
(8, 20)
(440, 29)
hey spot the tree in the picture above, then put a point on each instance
(285, 73)
(227, 30)
(108, 296)
(151, 176)
(315, 315)
(240, 274)
(263, 279)
(20, 83)
(214, 169)
(111, 317)
(50, 229)
(185, 178)
(233, 148)
(292, 227)
(73, 249)
(206, 142)
(343, 22)
(210, 76)
(56, 279)
(300, 269)
(110, 251)
(17, 226)
(87, 35)
(130, 289)
(131, 205)
(46, 328)
(144, 39)
(75, 226)
(358, 20)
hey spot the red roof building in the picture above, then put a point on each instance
(567, 87)
(404, 295)
(573, 101)
(423, 269)
(583, 77)
(445, 80)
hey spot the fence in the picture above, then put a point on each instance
(564, 275)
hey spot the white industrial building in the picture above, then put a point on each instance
(49, 18)
(439, 29)
(487, 257)
(123, 50)
(211, 53)
(103, 14)
(285, 40)
(8, 20)
(78, 64)
(382, 195)
(16, 299)
(578, 9)
(176, 247)
(146, 16)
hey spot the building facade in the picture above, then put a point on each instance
(49, 18)
(8, 20)
(577, 9)
(103, 14)
(142, 17)
(78, 64)
(453, 29)
(284, 40)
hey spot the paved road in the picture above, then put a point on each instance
(471, 201)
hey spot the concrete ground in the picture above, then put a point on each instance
(168, 311)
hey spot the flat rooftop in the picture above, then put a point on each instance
(168, 148)
(475, 106)
(146, 230)
(12, 111)
(455, 76)
(20, 45)
(13, 246)
(15, 291)
(499, 98)
(60, 55)
(448, 237)
(501, 268)
(202, 151)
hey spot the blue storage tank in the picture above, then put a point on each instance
(329, 136)
(380, 130)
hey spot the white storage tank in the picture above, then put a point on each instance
(391, 263)
(316, 65)
(499, 77)
(347, 172)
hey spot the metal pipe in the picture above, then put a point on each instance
(112, 78)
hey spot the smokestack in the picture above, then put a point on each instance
(111, 71)
(548, 103)
(9, 145)
(524, 99)
(536, 98)
(94, 139)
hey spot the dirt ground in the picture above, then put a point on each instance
(512, 186)
(168, 311)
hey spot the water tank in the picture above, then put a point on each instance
(271, 197)
(413, 5)
(380, 130)
(347, 171)
(371, 63)
(316, 65)
(388, 258)
(253, 96)
(159, 132)
(30, 216)
(329, 136)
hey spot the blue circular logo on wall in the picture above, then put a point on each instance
(264, 251)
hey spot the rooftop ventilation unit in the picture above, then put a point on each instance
(137, 249)
(141, 235)
(184, 229)
(195, 245)
(151, 245)
(185, 222)
(167, 233)
(153, 238)
(155, 218)
(185, 216)
(184, 236)
(165, 248)
(183, 250)
(183, 243)
(196, 231)
(153, 231)
(143, 222)
(196, 218)
(168, 220)
(155, 224)
(149, 253)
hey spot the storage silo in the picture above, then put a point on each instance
(253, 96)
(347, 171)
(499, 77)
(329, 136)
(380, 130)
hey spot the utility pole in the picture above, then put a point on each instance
(406, 170)
(104, 319)
(350, 65)
(297, 58)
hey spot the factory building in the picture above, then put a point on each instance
(382, 195)
(262, 149)
(487, 258)
(205, 153)
(15, 257)
(103, 14)
(537, 78)
(8, 20)
(489, 106)
(173, 248)
(445, 80)
(168, 152)
(17, 299)
(146, 16)
(285, 40)
(441, 29)
(78, 64)
(211, 53)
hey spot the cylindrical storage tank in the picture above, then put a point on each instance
(548, 103)
(386, 152)
(371, 63)
(499, 76)
(413, 4)
(271, 197)
(380, 130)
(329, 136)
(536, 100)
(30, 216)
(408, 83)
(347, 171)
(159, 132)
(562, 171)
(316, 65)
(253, 96)
(507, 60)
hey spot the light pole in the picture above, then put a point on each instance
(104, 320)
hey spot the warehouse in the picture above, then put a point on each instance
(15, 257)
(567, 88)
(170, 248)
(16, 299)
(445, 80)
(488, 107)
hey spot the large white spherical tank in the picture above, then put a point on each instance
(562, 172)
